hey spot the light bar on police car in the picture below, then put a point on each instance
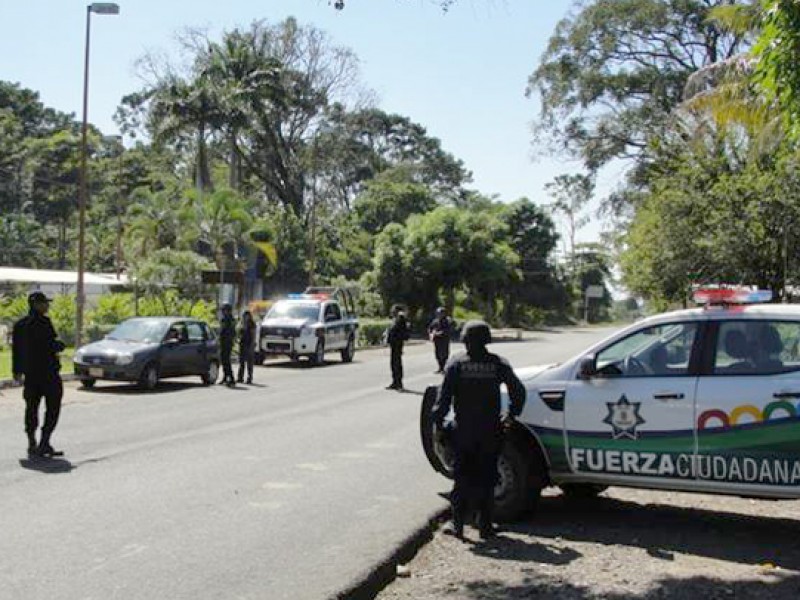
(711, 296)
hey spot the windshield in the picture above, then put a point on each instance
(140, 330)
(293, 310)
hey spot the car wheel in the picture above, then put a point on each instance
(437, 448)
(318, 358)
(148, 380)
(88, 383)
(516, 492)
(350, 350)
(581, 492)
(212, 374)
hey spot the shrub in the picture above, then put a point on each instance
(111, 309)
(62, 312)
(370, 331)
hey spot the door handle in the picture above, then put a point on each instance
(668, 396)
(786, 395)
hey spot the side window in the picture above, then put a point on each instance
(208, 332)
(195, 331)
(332, 313)
(757, 347)
(662, 350)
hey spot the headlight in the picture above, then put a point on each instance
(78, 356)
(305, 331)
(124, 359)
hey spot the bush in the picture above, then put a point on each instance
(63, 310)
(111, 309)
(370, 332)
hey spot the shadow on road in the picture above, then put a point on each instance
(164, 387)
(306, 364)
(659, 529)
(47, 465)
(783, 587)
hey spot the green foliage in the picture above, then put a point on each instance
(13, 308)
(63, 312)
(370, 331)
(171, 304)
(111, 309)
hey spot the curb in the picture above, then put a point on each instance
(10, 383)
(385, 571)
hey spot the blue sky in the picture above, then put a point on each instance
(461, 74)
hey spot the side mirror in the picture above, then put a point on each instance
(587, 367)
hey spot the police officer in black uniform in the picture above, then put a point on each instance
(440, 331)
(472, 385)
(35, 349)
(227, 336)
(247, 338)
(396, 336)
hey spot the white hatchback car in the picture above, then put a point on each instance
(698, 400)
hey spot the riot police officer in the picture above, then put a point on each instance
(227, 336)
(439, 331)
(396, 336)
(472, 386)
(247, 338)
(35, 362)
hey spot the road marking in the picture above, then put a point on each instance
(281, 485)
(318, 467)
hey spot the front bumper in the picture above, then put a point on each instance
(299, 346)
(110, 372)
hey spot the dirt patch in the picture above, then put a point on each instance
(625, 544)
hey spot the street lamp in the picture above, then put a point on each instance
(99, 8)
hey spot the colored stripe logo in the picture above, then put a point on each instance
(715, 418)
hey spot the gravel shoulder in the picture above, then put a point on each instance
(624, 544)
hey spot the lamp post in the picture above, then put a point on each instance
(99, 8)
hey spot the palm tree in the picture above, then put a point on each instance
(219, 221)
(154, 222)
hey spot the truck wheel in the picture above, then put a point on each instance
(318, 358)
(259, 358)
(148, 380)
(437, 449)
(581, 492)
(517, 492)
(350, 350)
(88, 383)
(212, 374)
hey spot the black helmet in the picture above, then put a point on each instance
(476, 332)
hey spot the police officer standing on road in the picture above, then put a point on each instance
(35, 349)
(247, 338)
(439, 331)
(472, 385)
(396, 336)
(227, 335)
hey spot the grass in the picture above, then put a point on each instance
(5, 362)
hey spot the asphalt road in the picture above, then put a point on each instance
(288, 489)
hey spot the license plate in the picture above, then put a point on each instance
(95, 372)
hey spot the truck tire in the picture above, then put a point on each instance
(349, 351)
(259, 358)
(517, 492)
(437, 450)
(318, 358)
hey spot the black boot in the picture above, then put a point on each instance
(32, 445)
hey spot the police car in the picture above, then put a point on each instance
(698, 400)
(310, 324)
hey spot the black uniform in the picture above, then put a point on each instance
(35, 348)
(472, 385)
(247, 337)
(396, 336)
(227, 336)
(440, 330)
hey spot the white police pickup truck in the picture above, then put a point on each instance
(699, 400)
(310, 324)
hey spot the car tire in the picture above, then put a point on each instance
(212, 373)
(349, 351)
(516, 493)
(318, 358)
(148, 380)
(438, 452)
(582, 492)
(88, 383)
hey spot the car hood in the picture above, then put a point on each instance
(528, 373)
(285, 322)
(114, 347)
